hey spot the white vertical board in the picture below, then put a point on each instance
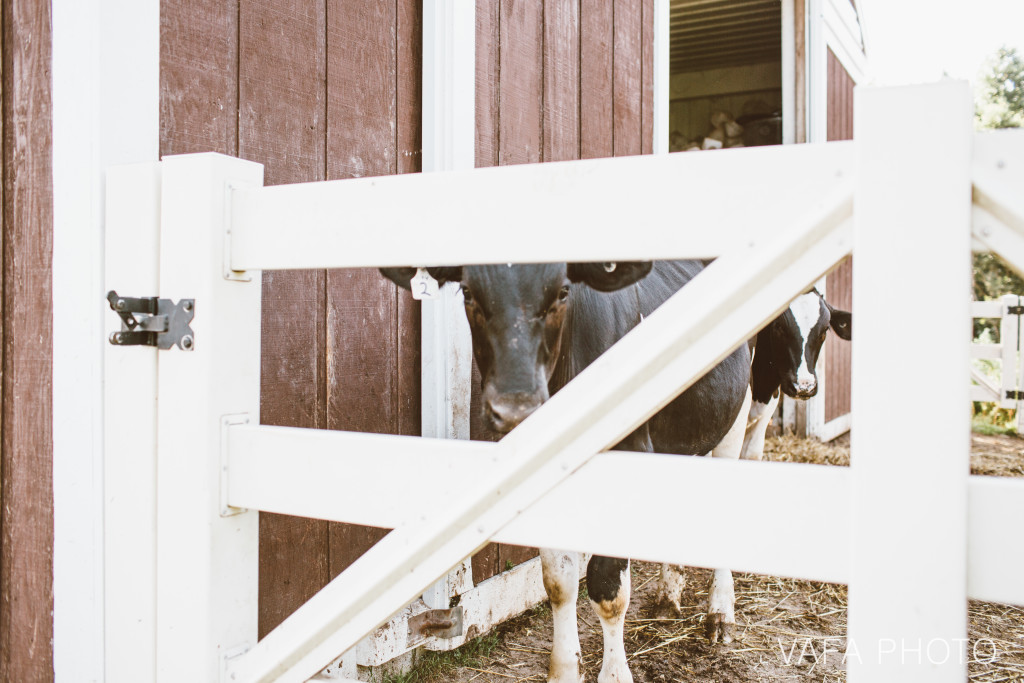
(206, 563)
(1009, 341)
(449, 116)
(106, 101)
(908, 576)
(130, 393)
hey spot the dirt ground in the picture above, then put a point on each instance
(787, 630)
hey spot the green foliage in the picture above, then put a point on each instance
(436, 664)
(999, 98)
(991, 420)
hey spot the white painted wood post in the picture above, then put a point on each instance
(449, 116)
(130, 401)
(1009, 341)
(206, 562)
(908, 601)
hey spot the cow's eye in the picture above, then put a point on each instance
(563, 293)
(467, 295)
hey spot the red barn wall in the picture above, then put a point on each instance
(839, 284)
(325, 89)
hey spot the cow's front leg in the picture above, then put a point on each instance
(757, 424)
(721, 616)
(608, 584)
(561, 582)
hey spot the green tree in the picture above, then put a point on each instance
(999, 97)
(999, 103)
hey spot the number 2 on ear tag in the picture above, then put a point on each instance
(423, 285)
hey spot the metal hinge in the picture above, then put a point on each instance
(161, 322)
(440, 623)
(1015, 395)
(1015, 310)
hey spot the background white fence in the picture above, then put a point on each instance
(1006, 391)
(911, 532)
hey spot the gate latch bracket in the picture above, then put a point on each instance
(1015, 310)
(441, 623)
(160, 322)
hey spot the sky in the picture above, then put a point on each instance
(918, 41)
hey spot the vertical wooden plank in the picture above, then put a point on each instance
(596, 65)
(198, 77)
(487, 75)
(626, 74)
(839, 285)
(800, 69)
(647, 77)
(26, 448)
(521, 95)
(409, 62)
(282, 124)
(362, 307)
(561, 72)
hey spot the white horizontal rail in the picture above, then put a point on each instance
(689, 333)
(393, 479)
(680, 206)
(986, 309)
(987, 351)
(994, 557)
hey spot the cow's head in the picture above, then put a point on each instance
(517, 315)
(796, 339)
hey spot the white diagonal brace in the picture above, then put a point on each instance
(997, 176)
(691, 332)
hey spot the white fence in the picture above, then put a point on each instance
(905, 525)
(1007, 391)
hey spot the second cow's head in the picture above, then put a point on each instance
(796, 338)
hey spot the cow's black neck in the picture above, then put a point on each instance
(765, 381)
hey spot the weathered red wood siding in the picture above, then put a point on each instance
(26, 447)
(314, 90)
(325, 89)
(839, 285)
(559, 80)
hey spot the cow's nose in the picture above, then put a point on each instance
(806, 388)
(504, 413)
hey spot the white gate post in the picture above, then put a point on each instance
(206, 561)
(908, 600)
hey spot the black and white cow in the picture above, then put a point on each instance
(534, 328)
(785, 355)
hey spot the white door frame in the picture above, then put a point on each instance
(106, 80)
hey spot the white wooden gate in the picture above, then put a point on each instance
(915, 538)
(1007, 392)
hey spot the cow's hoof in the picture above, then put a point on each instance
(573, 678)
(569, 672)
(619, 674)
(666, 608)
(717, 629)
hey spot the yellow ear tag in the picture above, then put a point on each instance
(423, 285)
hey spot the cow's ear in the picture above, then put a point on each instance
(403, 276)
(445, 274)
(607, 277)
(400, 276)
(841, 323)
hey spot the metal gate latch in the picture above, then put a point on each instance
(441, 623)
(161, 322)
